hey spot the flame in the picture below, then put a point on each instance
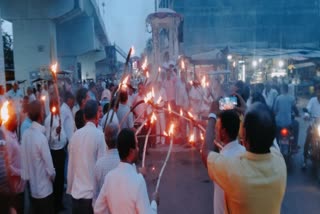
(54, 68)
(148, 97)
(147, 74)
(181, 112)
(169, 108)
(132, 51)
(203, 82)
(207, 84)
(165, 133)
(153, 168)
(54, 109)
(152, 92)
(159, 69)
(153, 118)
(43, 98)
(145, 63)
(191, 138)
(171, 129)
(191, 83)
(190, 115)
(159, 100)
(124, 82)
(5, 112)
(201, 136)
(182, 65)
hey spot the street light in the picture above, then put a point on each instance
(260, 60)
(281, 63)
(229, 57)
(254, 63)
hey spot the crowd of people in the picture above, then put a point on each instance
(83, 140)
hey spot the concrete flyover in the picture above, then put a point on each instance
(70, 31)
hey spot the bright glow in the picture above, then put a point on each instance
(165, 133)
(152, 92)
(5, 112)
(148, 97)
(171, 129)
(124, 82)
(147, 74)
(281, 63)
(234, 64)
(244, 72)
(159, 100)
(159, 69)
(169, 108)
(318, 128)
(284, 132)
(183, 66)
(201, 136)
(145, 63)
(260, 60)
(54, 68)
(153, 168)
(153, 118)
(54, 109)
(132, 51)
(190, 115)
(203, 82)
(181, 112)
(43, 98)
(229, 57)
(191, 138)
(254, 63)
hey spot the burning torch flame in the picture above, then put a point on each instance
(43, 98)
(153, 118)
(203, 82)
(54, 109)
(54, 68)
(147, 74)
(190, 115)
(165, 133)
(145, 63)
(181, 112)
(148, 97)
(124, 82)
(152, 92)
(169, 108)
(132, 51)
(171, 129)
(5, 112)
(182, 65)
(191, 138)
(159, 100)
(201, 136)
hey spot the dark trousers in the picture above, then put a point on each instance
(5, 203)
(18, 203)
(58, 159)
(82, 206)
(43, 205)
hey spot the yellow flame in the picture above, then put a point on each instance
(169, 108)
(5, 112)
(171, 129)
(182, 65)
(203, 82)
(153, 118)
(191, 138)
(147, 74)
(123, 85)
(145, 63)
(190, 115)
(201, 136)
(181, 112)
(54, 109)
(165, 133)
(54, 68)
(159, 100)
(43, 98)
(148, 97)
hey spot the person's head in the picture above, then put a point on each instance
(15, 86)
(123, 96)
(35, 111)
(127, 146)
(259, 128)
(68, 84)
(29, 90)
(284, 88)
(12, 122)
(69, 99)
(140, 88)
(82, 97)
(227, 126)
(90, 111)
(92, 86)
(257, 97)
(111, 135)
(100, 110)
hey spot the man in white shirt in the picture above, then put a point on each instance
(160, 95)
(227, 129)
(109, 161)
(86, 146)
(31, 95)
(66, 115)
(15, 93)
(269, 94)
(123, 110)
(124, 190)
(14, 156)
(57, 142)
(37, 166)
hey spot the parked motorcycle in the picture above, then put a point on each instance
(286, 142)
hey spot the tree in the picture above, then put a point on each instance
(8, 50)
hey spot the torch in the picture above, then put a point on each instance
(167, 158)
(55, 84)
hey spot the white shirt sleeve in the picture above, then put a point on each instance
(46, 156)
(101, 204)
(309, 105)
(143, 203)
(102, 148)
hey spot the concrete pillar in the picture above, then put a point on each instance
(34, 45)
(2, 71)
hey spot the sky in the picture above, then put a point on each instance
(125, 22)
